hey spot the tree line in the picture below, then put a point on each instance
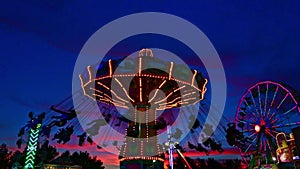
(47, 154)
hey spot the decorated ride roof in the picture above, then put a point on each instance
(140, 81)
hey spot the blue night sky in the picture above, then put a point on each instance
(40, 42)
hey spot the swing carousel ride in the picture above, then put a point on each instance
(142, 105)
(143, 102)
(141, 114)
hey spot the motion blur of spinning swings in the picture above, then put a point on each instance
(60, 124)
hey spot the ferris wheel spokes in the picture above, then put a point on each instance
(266, 109)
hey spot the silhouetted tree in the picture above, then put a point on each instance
(18, 157)
(4, 157)
(46, 153)
(213, 164)
(233, 164)
(79, 158)
(86, 161)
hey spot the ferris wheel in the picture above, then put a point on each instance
(266, 109)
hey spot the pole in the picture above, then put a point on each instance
(171, 146)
